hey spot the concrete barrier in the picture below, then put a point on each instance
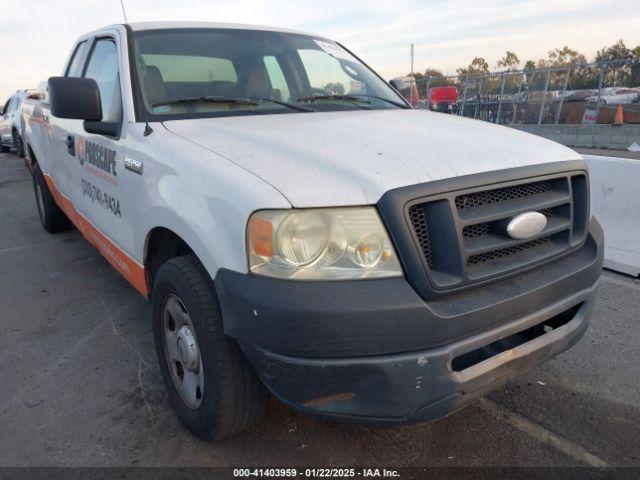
(615, 193)
(615, 137)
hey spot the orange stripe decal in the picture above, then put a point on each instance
(130, 269)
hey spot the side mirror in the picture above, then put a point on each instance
(397, 84)
(75, 98)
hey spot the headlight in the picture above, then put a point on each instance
(321, 244)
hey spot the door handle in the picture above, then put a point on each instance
(71, 145)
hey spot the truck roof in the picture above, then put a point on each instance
(140, 26)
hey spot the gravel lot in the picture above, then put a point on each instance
(79, 383)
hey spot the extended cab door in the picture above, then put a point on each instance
(96, 176)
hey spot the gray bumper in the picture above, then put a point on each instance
(374, 352)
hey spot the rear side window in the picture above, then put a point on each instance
(103, 68)
(75, 66)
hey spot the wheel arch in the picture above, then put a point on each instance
(162, 244)
(215, 240)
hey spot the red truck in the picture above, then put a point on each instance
(443, 99)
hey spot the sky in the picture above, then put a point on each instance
(37, 35)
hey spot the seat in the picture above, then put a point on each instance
(155, 90)
(258, 84)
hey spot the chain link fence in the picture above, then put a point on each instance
(574, 94)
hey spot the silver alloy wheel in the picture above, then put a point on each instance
(181, 351)
(40, 201)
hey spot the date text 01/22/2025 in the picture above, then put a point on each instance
(314, 473)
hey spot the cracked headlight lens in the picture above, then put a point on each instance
(321, 244)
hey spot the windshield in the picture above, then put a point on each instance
(190, 73)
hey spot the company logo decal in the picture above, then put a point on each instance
(96, 155)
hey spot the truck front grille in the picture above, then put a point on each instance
(479, 199)
(421, 230)
(462, 238)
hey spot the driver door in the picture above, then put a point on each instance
(97, 180)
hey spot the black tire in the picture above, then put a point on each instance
(233, 396)
(18, 144)
(52, 218)
(4, 149)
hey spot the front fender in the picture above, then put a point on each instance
(203, 198)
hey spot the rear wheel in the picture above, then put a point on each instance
(211, 387)
(52, 217)
(18, 144)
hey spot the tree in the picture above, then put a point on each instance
(529, 65)
(580, 77)
(620, 65)
(430, 78)
(561, 57)
(510, 61)
(433, 73)
(616, 52)
(477, 66)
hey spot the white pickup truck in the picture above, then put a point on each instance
(299, 229)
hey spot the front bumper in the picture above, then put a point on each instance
(373, 351)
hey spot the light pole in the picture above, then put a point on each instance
(412, 48)
(413, 79)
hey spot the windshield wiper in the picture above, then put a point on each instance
(293, 106)
(233, 100)
(253, 101)
(348, 98)
(360, 97)
(392, 102)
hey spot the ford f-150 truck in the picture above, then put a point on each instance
(298, 228)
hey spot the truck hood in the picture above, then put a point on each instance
(354, 157)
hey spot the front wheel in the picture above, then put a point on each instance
(211, 387)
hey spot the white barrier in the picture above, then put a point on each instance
(615, 193)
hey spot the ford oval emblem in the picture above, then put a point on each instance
(526, 225)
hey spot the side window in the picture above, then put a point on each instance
(103, 68)
(75, 66)
(5, 110)
(276, 76)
